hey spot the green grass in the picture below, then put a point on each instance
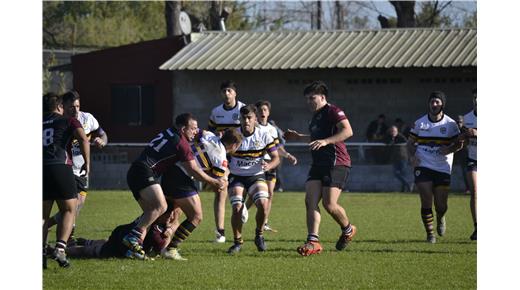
(389, 251)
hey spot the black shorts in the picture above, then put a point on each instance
(336, 176)
(423, 174)
(81, 183)
(176, 184)
(58, 182)
(271, 175)
(245, 181)
(471, 165)
(140, 176)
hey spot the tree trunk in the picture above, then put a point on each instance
(172, 10)
(339, 15)
(214, 15)
(405, 11)
(318, 17)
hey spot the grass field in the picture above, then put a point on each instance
(389, 251)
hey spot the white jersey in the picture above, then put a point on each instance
(470, 121)
(430, 137)
(210, 153)
(274, 133)
(247, 160)
(222, 118)
(89, 124)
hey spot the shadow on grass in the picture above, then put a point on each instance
(457, 242)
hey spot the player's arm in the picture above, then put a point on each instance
(100, 138)
(275, 160)
(283, 153)
(195, 171)
(344, 132)
(84, 146)
(455, 146)
(292, 135)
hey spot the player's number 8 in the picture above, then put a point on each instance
(48, 136)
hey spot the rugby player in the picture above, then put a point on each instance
(98, 137)
(223, 117)
(469, 132)
(165, 151)
(178, 186)
(248, 174)
(58, 179)
(113, 248)
(263, 112)
(329, 128)
(431, 144)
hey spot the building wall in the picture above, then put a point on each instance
(362, 93)
(136, 64)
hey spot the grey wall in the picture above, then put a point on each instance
(362, 93)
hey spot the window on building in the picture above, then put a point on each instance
(133, 104)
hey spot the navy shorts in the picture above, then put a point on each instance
(58, 182)
(176, 184)
(423, 174)
(245, 181)
(271, 175)
(471, 165)
(140, 176)
(335, 176)
(81, 183)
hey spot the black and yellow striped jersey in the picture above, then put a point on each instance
(209, 153)
(430, 136)
(222, 118)
(247, 160)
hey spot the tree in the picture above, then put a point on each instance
(172, 10)
(405, 13)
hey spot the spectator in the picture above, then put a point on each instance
(376, 132)
(402, 127)
(398, 155)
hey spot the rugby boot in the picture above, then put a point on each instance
(219, 238)
(235, 248)
(473, 236)
(59, 256)
(260, 243)
(135, 250)
(441, 226)
(268, 228)
(344, 240)
(431, 239)
(172, 253)
(309, 248)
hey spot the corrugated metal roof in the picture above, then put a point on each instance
(385, 48)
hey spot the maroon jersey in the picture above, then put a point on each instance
(166, 149)
(323, 125)
(57, 137)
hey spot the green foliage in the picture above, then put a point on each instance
(101, 24)
(389, 250)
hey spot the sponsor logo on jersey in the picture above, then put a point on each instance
(417, 172)
(443, 130)
(219, 117)
(256, 143)
(246, 163)
(424, 127)
(235, 116)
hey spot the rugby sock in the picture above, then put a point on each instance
(221, 232)
(347, 230)
(427, 218)
(313, 238)
(60, 244)
(238, 241)
(259, 232)
(182, 233)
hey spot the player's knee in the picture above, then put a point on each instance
(197, 219)
(236, 203)
(330, 207)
